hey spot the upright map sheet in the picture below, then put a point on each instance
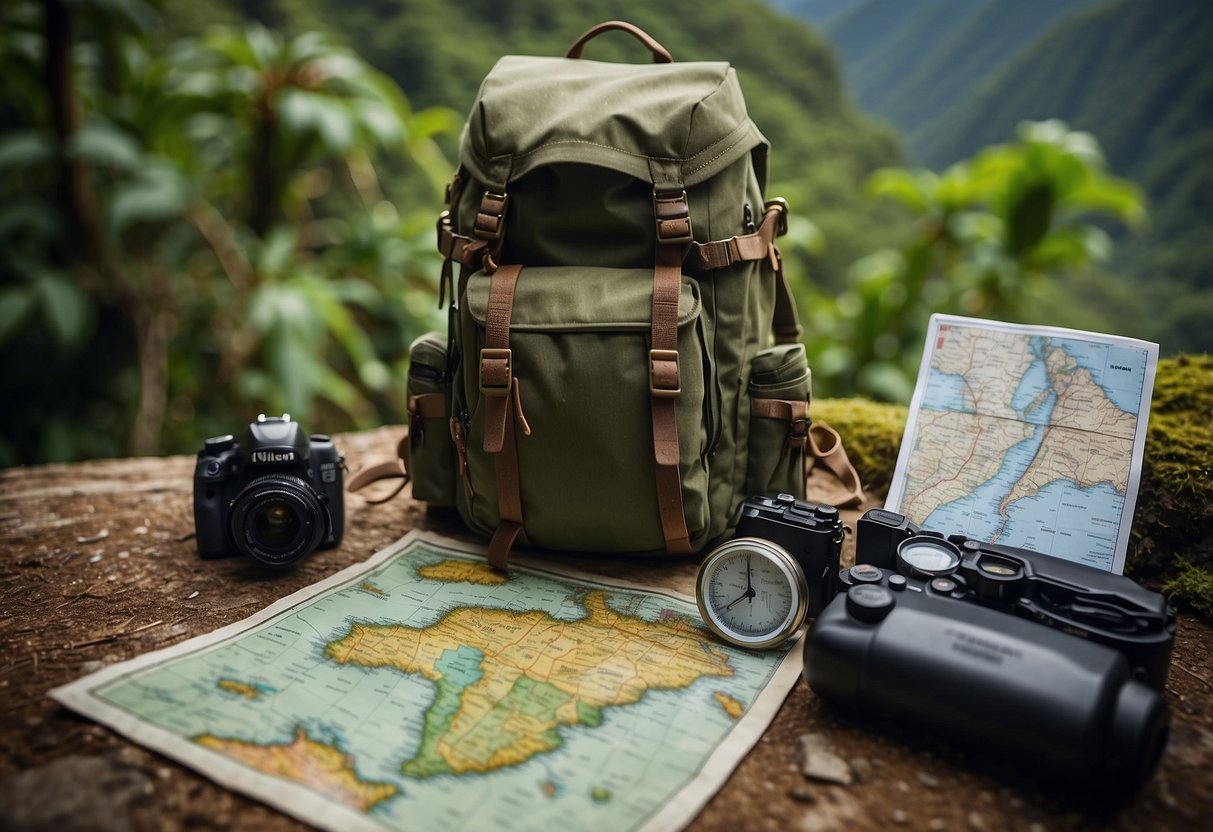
(422, 690)
(1027, 436)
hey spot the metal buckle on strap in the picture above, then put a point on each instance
(673, 217)
(491, 216)
(798, 432)
(496, 372)
(664, 382)
(780, 204)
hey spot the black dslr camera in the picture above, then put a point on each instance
(1053, 663)
(810, 533)
(277, 499)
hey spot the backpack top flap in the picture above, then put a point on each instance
(673, 124)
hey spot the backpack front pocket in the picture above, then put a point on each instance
(430, 454)
(580, 380)
(779, 421)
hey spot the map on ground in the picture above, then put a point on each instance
(423, 690)
(1027, 436)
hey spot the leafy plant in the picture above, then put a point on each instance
(989, 233)
(216, 205)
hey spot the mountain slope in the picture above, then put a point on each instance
(1137, 76)
(883, 43)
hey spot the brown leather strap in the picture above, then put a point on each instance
(719, 254)
(786, 321)
(504, 538)
(673, 229)
(496, 360)
(382, 470)
(458, 247)
(825, 446)
(660, 54)
(509, 499)
(501, 399)
(759, 245)
(795, 412)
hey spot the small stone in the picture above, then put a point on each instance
(900, 817)
(903, 786)
(192, 595)
(820, 763)
(95, 558)
(976, 822)
(801, 795)
(94, 538)
(927, 779)
(140, 530)
(164, 773)
(124, 554)
(936, 825)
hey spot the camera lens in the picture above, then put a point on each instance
(926, 557)
(278, 519)
(276, 525)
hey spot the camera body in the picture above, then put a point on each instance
(1079, 600)
(810, 533)
(276, 497)
(1036, 659)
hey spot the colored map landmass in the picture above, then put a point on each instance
(731, 706)
(245, 689)
(462, 571)
(318, 766)
(506, 680)
(1087, 440)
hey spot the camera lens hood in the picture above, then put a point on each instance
(278, 519)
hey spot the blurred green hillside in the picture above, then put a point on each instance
(955, 76)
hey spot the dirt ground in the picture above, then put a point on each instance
(97, 565)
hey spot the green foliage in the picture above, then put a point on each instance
(989, 230)
(225, 197)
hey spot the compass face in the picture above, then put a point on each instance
(752, 593)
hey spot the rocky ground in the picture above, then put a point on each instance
(97, 565)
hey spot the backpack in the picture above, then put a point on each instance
(623, 365)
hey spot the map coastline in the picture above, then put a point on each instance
(694, 786)
(1027, 436)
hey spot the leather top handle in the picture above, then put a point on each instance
(660, 54)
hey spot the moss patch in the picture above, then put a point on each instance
(1173, 528)
(1172, 538)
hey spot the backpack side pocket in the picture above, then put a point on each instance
(780, 388)
(431, 461)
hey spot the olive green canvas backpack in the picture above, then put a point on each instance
(623, 365)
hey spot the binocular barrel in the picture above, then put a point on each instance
(984, 679)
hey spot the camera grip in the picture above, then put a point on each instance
(988, 680)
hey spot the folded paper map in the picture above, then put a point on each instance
(423, 690)
(1027, 436)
